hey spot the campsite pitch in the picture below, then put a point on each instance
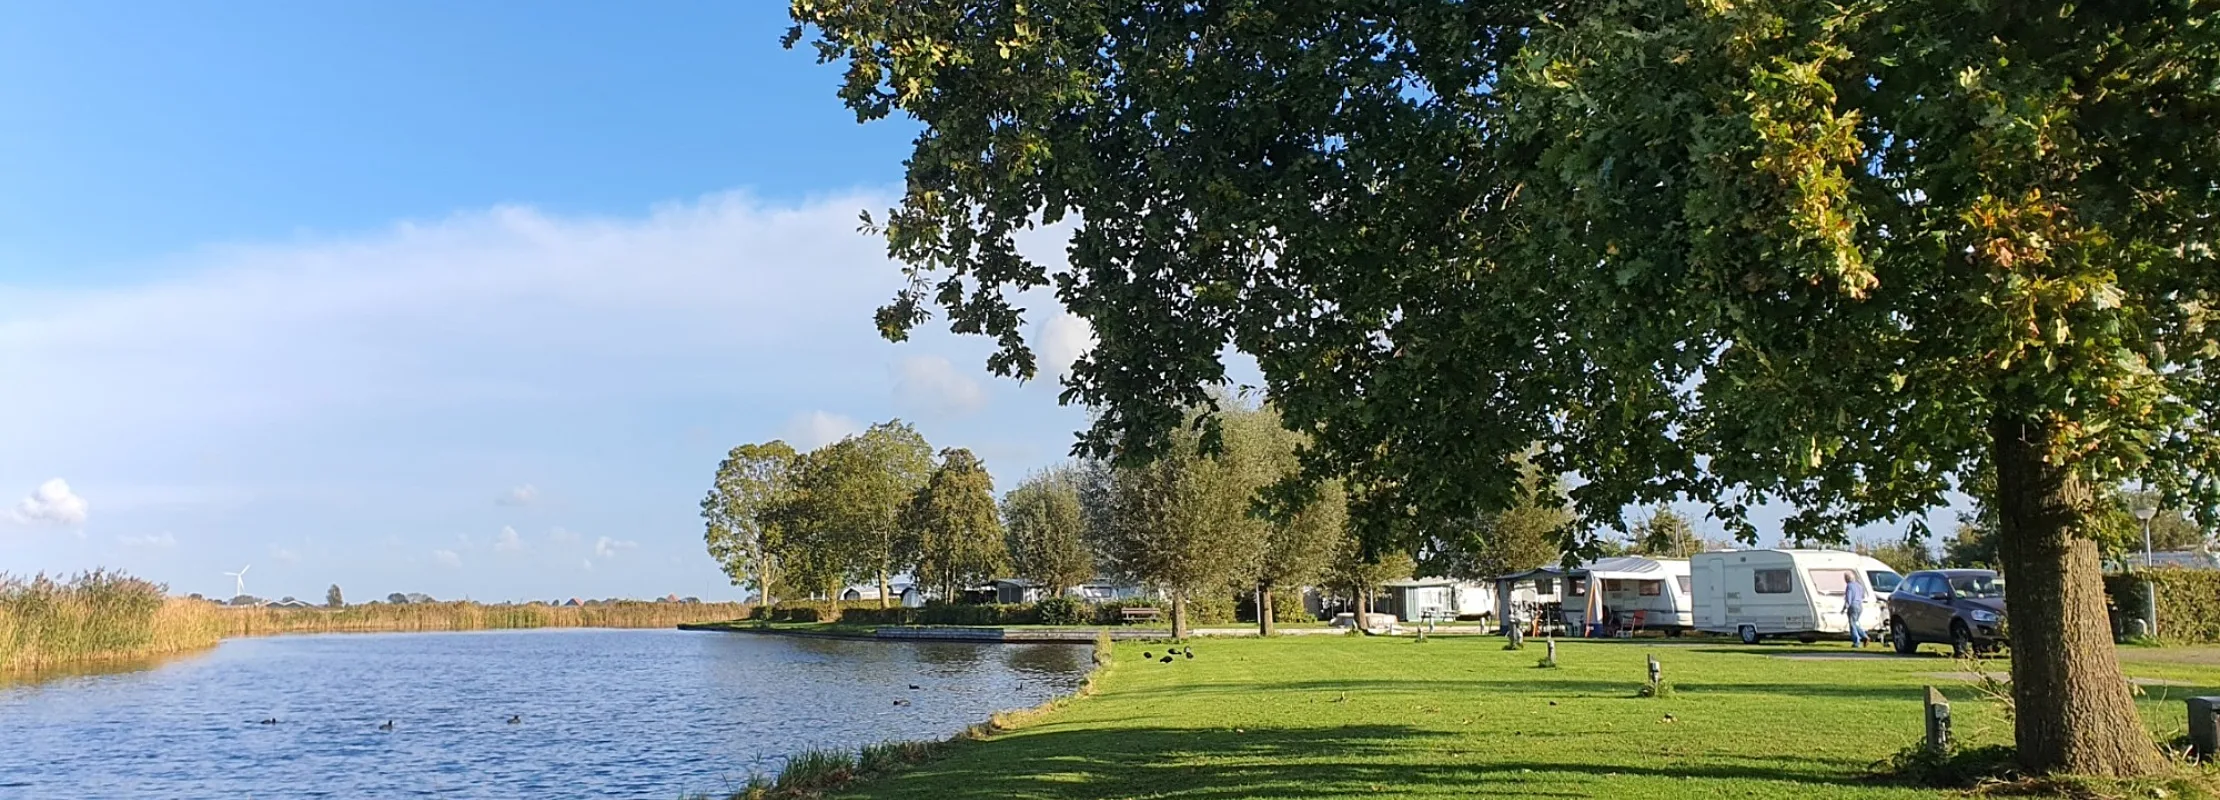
(1314, 717)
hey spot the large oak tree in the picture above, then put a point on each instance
(1836, 255)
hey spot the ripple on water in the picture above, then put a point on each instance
(603, 713)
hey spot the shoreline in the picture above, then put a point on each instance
(921, 633)
(57, 643)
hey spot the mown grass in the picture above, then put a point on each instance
(105, 616)
(1461, 717)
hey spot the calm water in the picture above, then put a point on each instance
(631, 714)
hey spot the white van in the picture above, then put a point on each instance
(1755, 594)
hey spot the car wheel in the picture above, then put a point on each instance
(1961, 640)
(1901, 638)
(1749, 634)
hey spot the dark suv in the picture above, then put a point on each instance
(1961, 607)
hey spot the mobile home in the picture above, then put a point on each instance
(1625, 592)
(1412, 599)
(1757, 594)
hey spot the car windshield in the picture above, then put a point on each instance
(1987, 587)
(1883, 580)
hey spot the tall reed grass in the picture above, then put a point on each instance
(103, 616)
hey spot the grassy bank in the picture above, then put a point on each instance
(1461, 717)
(103, 616)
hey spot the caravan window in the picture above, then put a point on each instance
(1650, 588)
(1772, 581)
(1684, 590)
(1614, 585)
(1883, 581)
(1832, 581)
(1576, 588)
(1545, 586)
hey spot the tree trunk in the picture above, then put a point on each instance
(1364, 608)
(763, 581)
(1264, 621)
(1179, 615)
(884, 588)
(2073, 711)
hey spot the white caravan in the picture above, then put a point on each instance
(1756, 594)
(1624, 593)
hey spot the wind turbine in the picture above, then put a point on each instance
(241, 576)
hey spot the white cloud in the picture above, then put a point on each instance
(588, 563)
(519, 496)
(53, 504)
(816, 429)
(934, 385)
(563, 536)
(284, 555)
(447, 558)
(157, 541)
(1062, 340)
(606, 548)
(508, 541)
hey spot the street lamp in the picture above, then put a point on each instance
(2145, 513)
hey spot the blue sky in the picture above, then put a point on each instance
(460, 298)
(457, 298)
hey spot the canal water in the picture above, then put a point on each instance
(596, 713)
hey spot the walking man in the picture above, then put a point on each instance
(1853, 603)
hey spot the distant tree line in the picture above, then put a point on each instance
(1219, 513)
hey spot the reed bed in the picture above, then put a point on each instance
(96, 616)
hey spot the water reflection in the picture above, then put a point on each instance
(600, 713)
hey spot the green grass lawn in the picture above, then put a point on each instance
(1305, 717)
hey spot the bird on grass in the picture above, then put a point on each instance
(1147, 654)
(516, 719)
(1669, 718)
(1166, 659)
(1190, 654)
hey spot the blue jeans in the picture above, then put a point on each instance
(1857, 631)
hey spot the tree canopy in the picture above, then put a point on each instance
(741, 512)
(1832, 255)
(1046, 530)
(952, 519)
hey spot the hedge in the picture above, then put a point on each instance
(2188, 602)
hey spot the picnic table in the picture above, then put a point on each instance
(1133, 614)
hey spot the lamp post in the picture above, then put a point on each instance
(2145, 513)
(2150, 589)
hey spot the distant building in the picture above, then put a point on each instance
(1103, 590)
(289, 603)
(2183, 559)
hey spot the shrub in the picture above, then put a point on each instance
(2188, 602)
(1063, 611)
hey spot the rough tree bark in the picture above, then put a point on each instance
(884, 587)
(2073, 711)
(1264, 611)
(1179, 615)
(763, 578)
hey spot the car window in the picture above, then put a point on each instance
(1922, 585)
(1987, 587)
(1883, 581)
(1771, 581)
(1832, 581)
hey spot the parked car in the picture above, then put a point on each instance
(1963, 608)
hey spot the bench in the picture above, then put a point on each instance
(1139, 614)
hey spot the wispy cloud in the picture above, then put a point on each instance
(508, 541)
(519, 496)
(815, 429)
(52, 503)
(607, 548)
(284, 555)
(447, 558)
(933, 384)
(155, 541)
(563, 536)
(1061, 341)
